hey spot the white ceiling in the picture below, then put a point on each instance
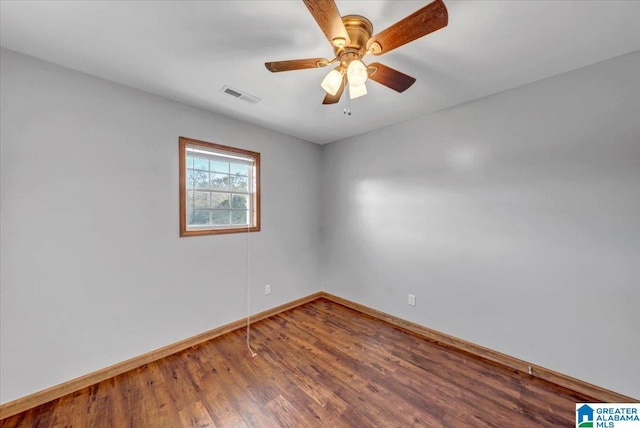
(187, 50)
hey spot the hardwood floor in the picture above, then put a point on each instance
(318, 365)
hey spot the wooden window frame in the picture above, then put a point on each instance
(255, 195)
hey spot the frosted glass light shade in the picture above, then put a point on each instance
(357, 73)
(332, 82)
(356, 91)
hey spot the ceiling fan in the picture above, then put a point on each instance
(350, 37)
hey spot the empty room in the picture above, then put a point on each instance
(310, 213)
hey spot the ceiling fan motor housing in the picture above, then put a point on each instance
(359, 29)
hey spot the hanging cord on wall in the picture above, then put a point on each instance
(249, 213)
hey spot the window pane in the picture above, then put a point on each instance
(191, 180)
(219, 166)
(220, 200)
(239, 201)
(239, 217)
(221, 217)
(199, 179)
(201, 200)
(239, 169)
(219, 181)
(199, 217)
(200, 163)
(239, 182)
(190, 162)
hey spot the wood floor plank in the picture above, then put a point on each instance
(420, 356)
(370, 374)
(222, 411)
(343, 373)
(320, 364)
(196, 416)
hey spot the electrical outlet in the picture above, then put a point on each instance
(412, 299)
(267, 289)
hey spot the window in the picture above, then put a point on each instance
(219, 189)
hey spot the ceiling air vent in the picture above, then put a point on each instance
(240, 94)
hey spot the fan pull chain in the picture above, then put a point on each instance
(347, 109)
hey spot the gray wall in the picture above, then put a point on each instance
(515, 220)
(92, 269)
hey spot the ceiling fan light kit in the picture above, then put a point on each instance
(356, 91)
(351, 39)
(357, 72)
(332, 82)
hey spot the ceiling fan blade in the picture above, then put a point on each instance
(332, 99)
(389, 77)
(326, 14)
(296, 64)
(430, 18)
